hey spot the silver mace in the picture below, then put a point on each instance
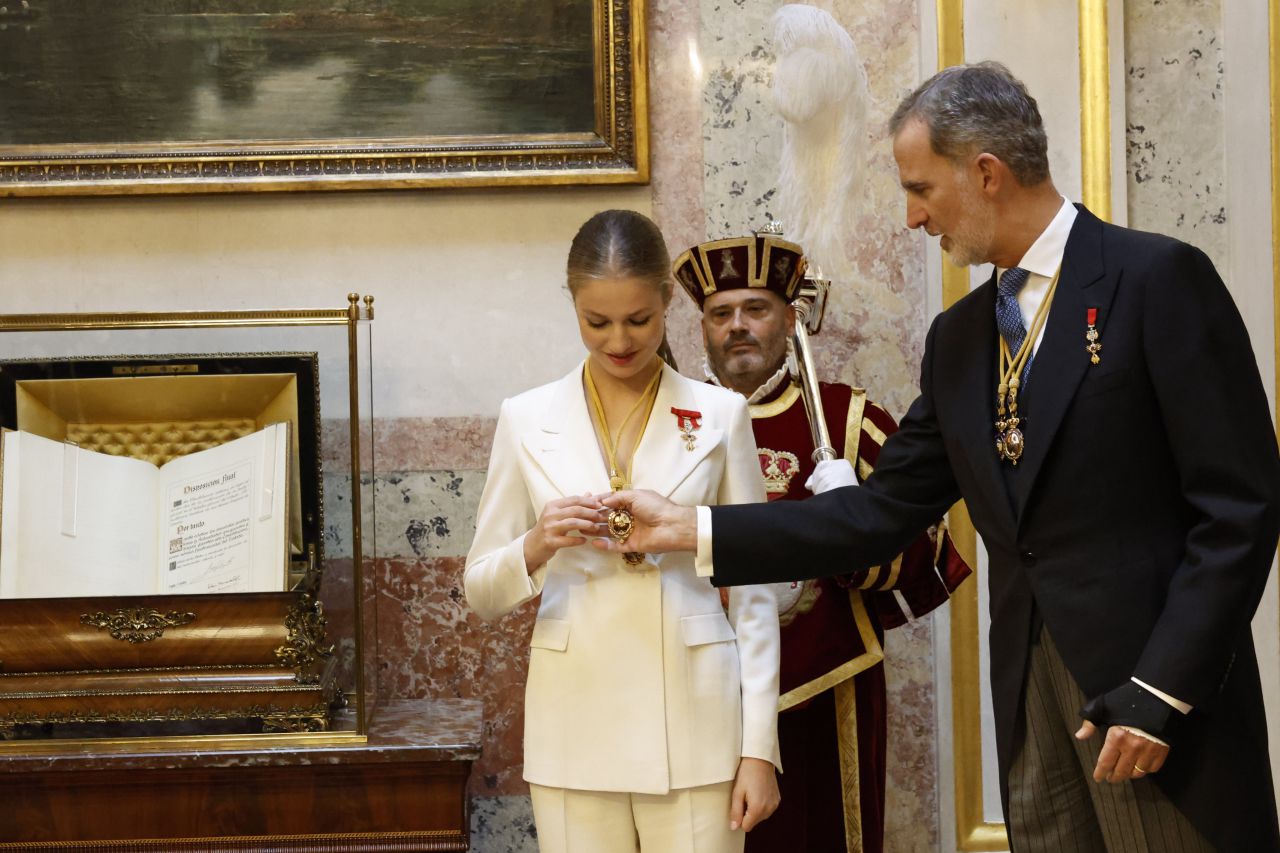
(810, 304)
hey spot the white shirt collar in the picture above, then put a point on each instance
(1045, 255)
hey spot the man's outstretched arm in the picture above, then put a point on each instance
(849, 527)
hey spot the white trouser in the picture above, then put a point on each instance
(686, 820)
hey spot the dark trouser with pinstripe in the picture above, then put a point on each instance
(1054, 804)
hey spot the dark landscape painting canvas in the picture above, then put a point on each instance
(125, 72)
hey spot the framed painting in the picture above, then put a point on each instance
(115, 97)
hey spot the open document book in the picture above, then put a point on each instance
(74, 522)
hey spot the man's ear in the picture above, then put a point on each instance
(791, 319)
(991, 172)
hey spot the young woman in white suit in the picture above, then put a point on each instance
(650, 712)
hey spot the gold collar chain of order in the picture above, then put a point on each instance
(1010, 440)
(619, 520)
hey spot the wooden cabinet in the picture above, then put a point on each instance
(166, 659)
(403, 790)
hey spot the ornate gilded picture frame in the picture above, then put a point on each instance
(215, 96)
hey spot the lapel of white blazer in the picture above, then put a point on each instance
(564, 442)
(565, 447)
(664, 460)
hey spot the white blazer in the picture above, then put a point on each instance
(637, 680)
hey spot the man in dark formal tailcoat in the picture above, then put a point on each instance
(1098, 406)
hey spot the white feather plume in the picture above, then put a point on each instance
(820, 90)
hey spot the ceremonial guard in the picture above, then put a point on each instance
(832, 728)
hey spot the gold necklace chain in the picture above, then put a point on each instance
(619, 479)
(1010, 441)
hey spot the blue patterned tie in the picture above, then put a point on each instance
(1008, 316)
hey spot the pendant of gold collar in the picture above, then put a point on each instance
(1011, 442)
(620, 522)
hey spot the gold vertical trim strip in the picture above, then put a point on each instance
(1273, 31)
(955, 279)
(850, 771)
(1095, 109)
(955, 282)
(357, 539)
(1273, 50)
(973, 832)
(950, 33)
(640, 88)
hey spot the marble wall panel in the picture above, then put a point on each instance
(1174, 121)
(431, 644)
(503, 825)
(416, 513)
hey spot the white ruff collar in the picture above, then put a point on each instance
(770, 385)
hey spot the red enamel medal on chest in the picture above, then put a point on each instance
(1091, 335)
(688, 421)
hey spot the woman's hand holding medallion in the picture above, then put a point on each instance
(564, 523)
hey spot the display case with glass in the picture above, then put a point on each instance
(181, 517)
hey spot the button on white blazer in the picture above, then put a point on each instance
(637, 679)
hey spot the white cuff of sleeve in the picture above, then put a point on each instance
(1183, 707)
(1140, 733)
(702, 556)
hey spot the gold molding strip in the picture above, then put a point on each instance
(357, 512)
(955, 282)
(950, 33)
(423, 839)
(640, 89)
(1095, 109)
(197, 743)
(973, 832)
(1273, 90)
(1273, 33)
(173, 320)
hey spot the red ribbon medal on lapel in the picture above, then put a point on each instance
(687, 421)
(1092, 336)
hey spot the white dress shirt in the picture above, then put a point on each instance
(1042, 261)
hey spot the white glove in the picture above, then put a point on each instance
(831, 474)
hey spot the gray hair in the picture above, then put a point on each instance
(980, 108)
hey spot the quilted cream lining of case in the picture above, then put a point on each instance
(157, 443)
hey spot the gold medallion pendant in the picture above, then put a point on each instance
(620, 526)
(1009, 441)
